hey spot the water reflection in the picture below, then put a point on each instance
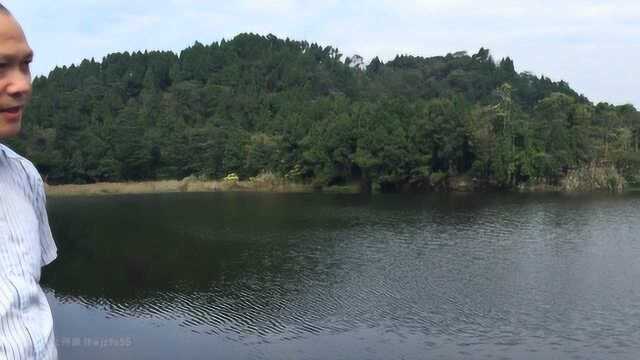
(448, 273)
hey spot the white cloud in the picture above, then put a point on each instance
(271, 6)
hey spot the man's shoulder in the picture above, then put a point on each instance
(7, 152)
(14, 157)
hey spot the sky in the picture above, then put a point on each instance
(592, 45)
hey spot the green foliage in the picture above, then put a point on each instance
(262, 105)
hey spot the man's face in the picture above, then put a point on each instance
(15, 76)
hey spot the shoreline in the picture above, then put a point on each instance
(183, 186)
(193, 186)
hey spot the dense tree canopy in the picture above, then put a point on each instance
(259, 103)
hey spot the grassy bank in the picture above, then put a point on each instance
(169, 186)
(592, 179)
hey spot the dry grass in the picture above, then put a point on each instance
(169, 186)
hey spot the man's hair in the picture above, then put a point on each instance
(4, 10)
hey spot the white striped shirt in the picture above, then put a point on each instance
(26, 244)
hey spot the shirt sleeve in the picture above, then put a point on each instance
(47, 244)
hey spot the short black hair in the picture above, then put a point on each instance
(4, 9)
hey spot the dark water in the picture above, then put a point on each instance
(255, 276)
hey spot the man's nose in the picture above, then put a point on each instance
(19, 83)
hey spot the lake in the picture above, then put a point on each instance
(318, 276)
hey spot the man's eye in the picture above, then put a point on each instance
(24, 66)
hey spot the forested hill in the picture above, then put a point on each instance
(263, 104)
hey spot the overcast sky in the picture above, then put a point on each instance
(593, 45)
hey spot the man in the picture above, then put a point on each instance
(26, 244)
